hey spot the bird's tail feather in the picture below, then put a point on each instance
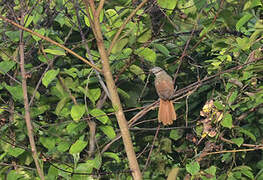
(166, 113)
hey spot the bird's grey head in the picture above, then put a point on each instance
(156, 70)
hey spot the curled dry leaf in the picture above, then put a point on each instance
(212, 115)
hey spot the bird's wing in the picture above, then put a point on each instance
(164, 88)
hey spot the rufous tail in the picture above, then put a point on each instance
(166, 113)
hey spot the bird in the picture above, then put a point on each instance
(165, 89)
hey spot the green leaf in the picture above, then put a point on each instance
(73, 72)
(193, 168)
(35, 111)
(41, 31)
(207, 30)
(13, 35)
(89, 165)
(167, 4)
(113, 156)
(83, 168)
(63, 146)
(100, 115)
(6, 66)
(48, 142)
(14, 175)
(248, 133)
(146, 53)
(243, 43)
(71, 127)
(138, 71)
(251, 4)
(15, 152)
(94, 94)
(97, 161)
(176, 134)
(246, 170)
(249, 174)
(162, 49)
(120, 44)
(211, 170)
(57, 52)
(28, 19)
(109, 131)
(61, 104)
(243, 20)
(238, 141)
(233, 97)
(112, 17)
(227, 121)
(145, 36)
(16, 92)
(60, 18)
(123, 93)
(77, 147)
(49, 76)
(77, 111)
(219, 105)
(86, 19)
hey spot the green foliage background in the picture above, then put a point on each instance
(212, 48)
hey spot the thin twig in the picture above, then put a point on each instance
(51, 41)
(149, 156)
(26, 104)
(115, 38)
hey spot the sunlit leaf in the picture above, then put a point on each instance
(162, 49)
(146, 53)
(109, 131)
(117, 48)
(6, 66)
(77, 111)
(243, 20)
(15, 152)
(77, 147)
(145, 36)
(112, 155)
(48, 142)
(100, 115)
(238, 141)
(227, 121)
(138, 71)
(193, 168)
(49, 77)
(58, 52)
(16, 92)
(63, 146)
